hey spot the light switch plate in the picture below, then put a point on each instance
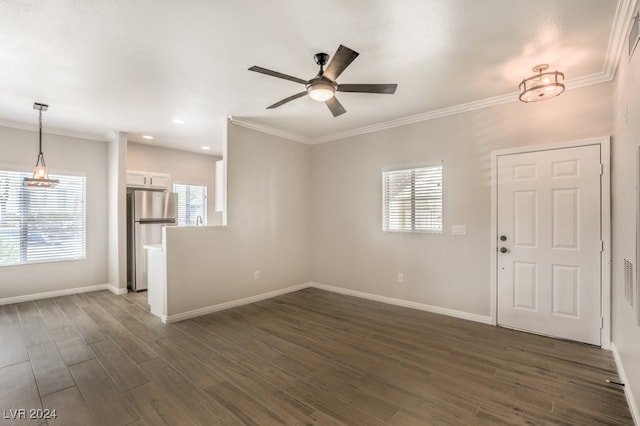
(458, 229)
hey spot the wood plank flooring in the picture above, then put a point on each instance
(305, 358)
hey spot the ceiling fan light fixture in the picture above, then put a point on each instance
(40, 178)
(321, 91)
(543, 85)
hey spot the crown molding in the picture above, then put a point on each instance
(453, 110)
(55, 131)
(617, 39)
(588, 80)
(268, 130)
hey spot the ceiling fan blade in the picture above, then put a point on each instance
(340, 61)
(388, 89)
(289, 99)
(277, 74)
(335, 106)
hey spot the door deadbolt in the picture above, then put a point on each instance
(503, 238)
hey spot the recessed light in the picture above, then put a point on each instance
(206, 148)
(147, 137)
(178, 121)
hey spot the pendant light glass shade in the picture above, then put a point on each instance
(544, 85)
(40, 177)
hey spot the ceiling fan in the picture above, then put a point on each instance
(323, 86)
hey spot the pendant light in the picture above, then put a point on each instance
(543, 85)
(40, 177)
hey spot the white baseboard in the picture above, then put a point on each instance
(56, 293)
(407, 304)
(635, 411)
(117, 290)
(383, 299)
(231, 304)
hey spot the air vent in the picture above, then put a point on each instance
(628, 281)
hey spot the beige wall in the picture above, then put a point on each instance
(626, 140)
(19, 149)
(184, 167)
(349, 249)
(268, 202)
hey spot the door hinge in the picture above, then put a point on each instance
(601, 323)
(601, 246)
(601, 169)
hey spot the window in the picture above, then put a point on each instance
(41, 225)
(412, 200)
(192, 204)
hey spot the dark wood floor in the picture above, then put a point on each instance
(309, 357)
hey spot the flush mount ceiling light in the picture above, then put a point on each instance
(40, 177)
(544, 85)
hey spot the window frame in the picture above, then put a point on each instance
(24, 233)
(205, 203)
(414, 228)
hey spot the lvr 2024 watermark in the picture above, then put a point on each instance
(30, 414)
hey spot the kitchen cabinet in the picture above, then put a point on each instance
(149, 180)
(157, 281)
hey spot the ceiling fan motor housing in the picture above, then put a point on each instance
(321, 58)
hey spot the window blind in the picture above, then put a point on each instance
(39, 224)
(192, 202)
(412, 200)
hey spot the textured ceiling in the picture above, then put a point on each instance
(134, 66)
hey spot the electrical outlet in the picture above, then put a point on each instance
(256, 275)
(400, 278)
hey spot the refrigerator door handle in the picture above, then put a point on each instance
(151, 220)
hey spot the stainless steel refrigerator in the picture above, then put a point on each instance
(147, 213)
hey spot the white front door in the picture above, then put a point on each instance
(549, 242)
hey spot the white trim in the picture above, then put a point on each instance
(587, 80)
(605, 227)
(635, 410)
(605, 197)
(117, 290)
(268, 130)
(65, 292)
(405, 303)
(167, 319)
(622, 22)
(103, 137)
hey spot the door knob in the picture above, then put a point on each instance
(503, 238)
(503, 250)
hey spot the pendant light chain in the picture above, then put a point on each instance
(40, 141)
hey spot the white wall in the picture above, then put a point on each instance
(184, 167)
(349, 249)
(626, 140)
(19, 149)
(268, 181)
(117, 260)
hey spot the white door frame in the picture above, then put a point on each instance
(605, 217)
